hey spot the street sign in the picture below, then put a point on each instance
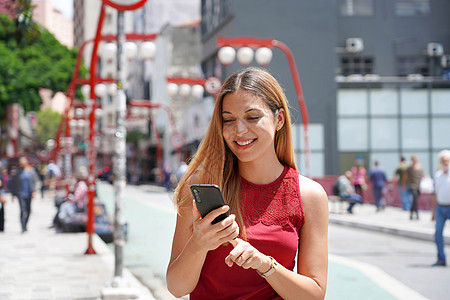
(177, 140)
(212, 85)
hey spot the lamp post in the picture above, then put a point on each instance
(263, 56)
(120, 151)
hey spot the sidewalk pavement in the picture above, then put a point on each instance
(43, 264)
(393, 220)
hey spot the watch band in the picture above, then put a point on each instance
(273, 268)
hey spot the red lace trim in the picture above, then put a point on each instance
(275, 203)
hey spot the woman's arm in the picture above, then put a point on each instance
(192, 240)
(310, 280)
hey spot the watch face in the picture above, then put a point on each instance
(274, 264)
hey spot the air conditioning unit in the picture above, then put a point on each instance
(445, 61)
(435, 49)
(354, 45)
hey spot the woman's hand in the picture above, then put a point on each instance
(210, 236)
(247, 256)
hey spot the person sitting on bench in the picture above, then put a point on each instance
(346, 190)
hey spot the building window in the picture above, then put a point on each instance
(384, 134)
(316, 147)
(356, 65)
(414, 102)
(412, 64)
(352, 103)
(352, 134)
(352, 8)
(214, 12)
(408, 8)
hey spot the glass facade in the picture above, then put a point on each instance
(383, 124)
(316, 142)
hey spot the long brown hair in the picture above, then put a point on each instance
(214, 162)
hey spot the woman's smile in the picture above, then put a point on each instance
(245, 142)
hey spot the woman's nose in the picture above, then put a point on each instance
(241, 126)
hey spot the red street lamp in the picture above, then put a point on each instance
(263, 56)
(177, 139)
(92, 81)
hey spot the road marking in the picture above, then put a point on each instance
(384, 280)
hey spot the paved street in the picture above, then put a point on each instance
(44, 264)
(364, 263)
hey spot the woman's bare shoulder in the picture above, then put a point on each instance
(311, 191)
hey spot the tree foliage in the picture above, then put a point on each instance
(48, 121)
(31, 58)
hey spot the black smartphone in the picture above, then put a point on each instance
(208, 197)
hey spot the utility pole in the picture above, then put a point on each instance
(120, 158)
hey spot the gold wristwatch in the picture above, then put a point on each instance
(273, 268)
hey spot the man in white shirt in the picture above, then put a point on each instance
(441, 201)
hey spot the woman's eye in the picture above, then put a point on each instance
(254, 118)
(227, 121)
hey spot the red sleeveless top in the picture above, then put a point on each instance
(273, 217)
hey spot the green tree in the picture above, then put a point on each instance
(31, 58)
(48, 121)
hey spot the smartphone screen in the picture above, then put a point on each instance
(207, 198)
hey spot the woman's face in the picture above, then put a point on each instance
(249, 126)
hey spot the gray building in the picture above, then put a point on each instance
(374, 74)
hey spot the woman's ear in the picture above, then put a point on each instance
(280, 118)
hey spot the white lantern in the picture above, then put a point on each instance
(79, 112)
(245, 55)
(98, 113)
(112, 89)
(263, 56)
(51, 144)
(100, 90)
(172, 89)
(81, 123)
(197, 91)
(73, 123)
(143, 112)
(135, 111)
(109, 51)
(130, 50)
(86, 91)
(148, 50)
(185, 90)
(226, 55)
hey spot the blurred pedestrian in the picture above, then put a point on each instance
(2, 203)
(347, 190)
(5, 178)
(180, 171)
(248, 152)
(167, 177)
(441, 202)
(359, 178)
(75, 203)
(44, 179)
(412, 179)
(377, 176)
(402, 189)
(53, 175)
(24, 188)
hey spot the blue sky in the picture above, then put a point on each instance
(65, 6)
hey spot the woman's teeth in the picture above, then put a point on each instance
(244, 142)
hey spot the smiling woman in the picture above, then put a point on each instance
(275, 212)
